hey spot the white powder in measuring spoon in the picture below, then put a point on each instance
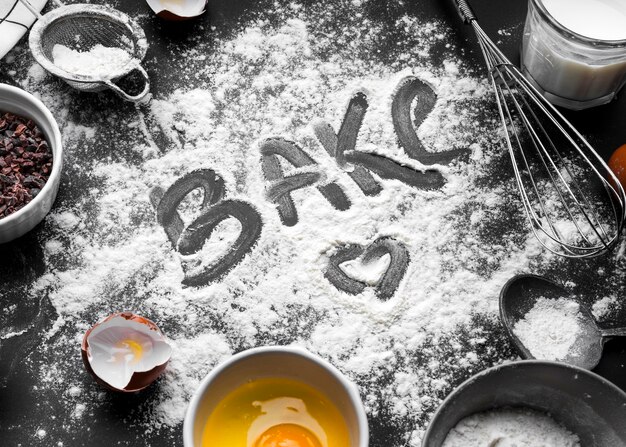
(550, 329)
(513, 427)
(99, 61)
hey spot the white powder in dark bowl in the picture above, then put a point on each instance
(510, 427)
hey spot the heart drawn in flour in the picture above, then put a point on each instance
(214, 210)
(345, 273)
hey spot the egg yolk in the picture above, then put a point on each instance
(131, 345)
(287, 435)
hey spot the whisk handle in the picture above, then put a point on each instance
(132, 98)
(465, 11)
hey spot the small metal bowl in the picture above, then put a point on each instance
(276, 361)
(16, 100)
(583, 402)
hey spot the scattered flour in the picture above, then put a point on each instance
(8, 335)
(99, 61)
(66, 220)
(74, 391)
(79, 409)
(276, 76)
(550, 329)
(604, 307)
(369, 273)
(510, 428)
(54, 246)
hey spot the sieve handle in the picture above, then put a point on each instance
(136, 98)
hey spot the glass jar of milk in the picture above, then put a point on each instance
(574, 51)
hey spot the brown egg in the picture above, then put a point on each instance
(125, 352)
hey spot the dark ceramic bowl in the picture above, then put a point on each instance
(583, 402)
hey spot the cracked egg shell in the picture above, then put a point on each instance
(125, 352)
(177, 9)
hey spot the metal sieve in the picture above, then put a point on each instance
(80, 27)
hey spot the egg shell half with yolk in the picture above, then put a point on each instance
(125, 352)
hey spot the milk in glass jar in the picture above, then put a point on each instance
(574, 51)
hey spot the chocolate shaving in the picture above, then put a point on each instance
(25, 162)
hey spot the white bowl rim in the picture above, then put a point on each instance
(350, 387)
(56, 147)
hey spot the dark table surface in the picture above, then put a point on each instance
(21, 262)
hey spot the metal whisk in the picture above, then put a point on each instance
(574, 202)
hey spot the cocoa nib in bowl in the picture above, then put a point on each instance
(25, 162)
(23, 179)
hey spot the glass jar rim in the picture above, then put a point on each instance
(572, 34)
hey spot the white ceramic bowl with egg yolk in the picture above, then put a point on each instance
(286, 362)
(16, 100)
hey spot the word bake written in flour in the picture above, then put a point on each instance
(342, 147)
(214, 210)
(387, 284)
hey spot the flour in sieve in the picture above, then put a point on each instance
(99, 61)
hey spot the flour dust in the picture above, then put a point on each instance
(278, 75)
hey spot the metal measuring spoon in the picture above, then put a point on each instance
(518, 297)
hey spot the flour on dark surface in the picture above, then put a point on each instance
(288, 74)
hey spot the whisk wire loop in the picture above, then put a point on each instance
(556, 170)
(552, 169)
